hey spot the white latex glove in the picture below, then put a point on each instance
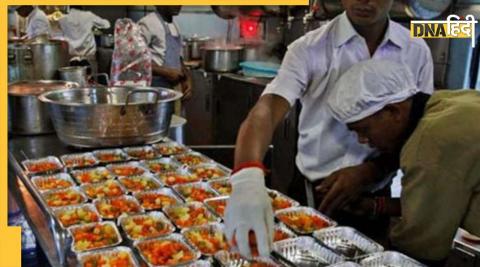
(249, 208)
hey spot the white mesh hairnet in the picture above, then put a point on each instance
(369, 86)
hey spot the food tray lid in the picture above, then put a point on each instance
(305, 251)
(334, 237)
(391, 258)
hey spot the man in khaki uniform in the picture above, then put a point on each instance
(437, 140)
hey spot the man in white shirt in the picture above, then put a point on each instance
(36, 21)
(327, 151)
(77, 28)
(165, 43)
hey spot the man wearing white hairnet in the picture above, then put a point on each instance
(436, 138)
(330, 164)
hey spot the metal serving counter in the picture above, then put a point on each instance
(20, 187)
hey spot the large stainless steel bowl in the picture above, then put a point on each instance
(111, 116)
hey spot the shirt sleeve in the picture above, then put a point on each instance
(425, 79)
(38, 25)
(293, 75)
(99, 22)
(434, 198)
(154, 35)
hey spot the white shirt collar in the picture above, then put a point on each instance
(346, 31)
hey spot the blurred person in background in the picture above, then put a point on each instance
(164, 40)
(77, 27)
(37, 24)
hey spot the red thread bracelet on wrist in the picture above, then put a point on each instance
(249, 164)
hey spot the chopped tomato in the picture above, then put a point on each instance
(195, 193)
(52, 182)
(77, 215)
(126, 170)
(166, 252)
(112, 208)
(173, 178)
(145, 226)
(106, 157)
(63, 198)
(208, 173)
(189, 215)
(302, 222)
(43, 166)
(92, 175)
(279, 202)
(94, 236)
(72, 161)
(141, 153)
(222, 187)
(159, 166)
(207, 241)
(139, 183)
(168, 150)
(156, 200)
(120, 259)
(191, 160)
(109, 188)
(218, 206)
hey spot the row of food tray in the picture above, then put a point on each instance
(163, 205)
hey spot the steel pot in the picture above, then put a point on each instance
(27, 115)
(20, 62)
(222, 58)
(192, 46)
(48, 57)
(111, 116)
(79, 75)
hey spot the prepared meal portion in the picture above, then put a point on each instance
(53, 181)
(279, 234)
(169, 148)
(347, 241)
(304, 220)
(92, 175)
(63, 197)
(110, 188)
(112, 208)
(222, 186)
(231, 259)
(190, 214)
(161, 165)
(110, 155)
(43, 165)
(194, 191)
(166, 251)
(208, 239)
(114, 257)
(79, 160)
(139, 183)
(94, 236)
(209, 171)
(177, 177)
(280, 201)
(157, 199)
(78, 214)
(217, 205)
(141, 152)
(191, 159)
(126, 169)
(142, 226)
